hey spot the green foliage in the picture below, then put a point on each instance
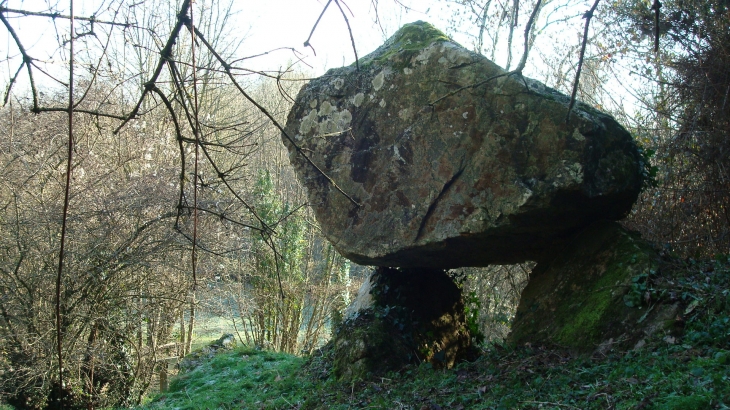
(472, 307)
(288, 258)
(491, 295)
(635, 296)
(648, 171)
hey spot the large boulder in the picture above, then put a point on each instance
(431, 155)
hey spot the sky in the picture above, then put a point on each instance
(288, 23)
(264, 25)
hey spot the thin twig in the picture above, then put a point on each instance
(306, 42)
(196, 134)
(91, 19)
(223, 216)
(588, 16)
(165, 57)
(349, 29)
(568, 406)
(98, 65)
(27, 59)
(177, 79)
(178, 133)
(516, 71)
(530, 22)
(10, 84)
(273, 120)
(80, 110)
(470, 86)
(513, 24)
(64, 218)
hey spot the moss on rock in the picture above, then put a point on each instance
(409, 39)
(590, 293)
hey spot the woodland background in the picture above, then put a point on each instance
(148, 185)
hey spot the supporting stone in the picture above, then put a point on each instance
(402, 316)
(590, 293)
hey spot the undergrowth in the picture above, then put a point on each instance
(684, 367)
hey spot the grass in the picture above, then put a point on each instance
(209, 329)
(682, 368)
(241, 378)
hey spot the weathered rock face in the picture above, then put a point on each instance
(452, 162)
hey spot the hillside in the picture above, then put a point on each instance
(684, 366)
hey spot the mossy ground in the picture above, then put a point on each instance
(681, 368)
(242, 378)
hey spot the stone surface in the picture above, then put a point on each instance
(402, 316)
(591, 294)
(452, 162)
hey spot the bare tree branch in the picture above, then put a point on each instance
(299, 151)
(177, 78)
(27, 59)
(91, 19)
(530, 22)
(306, 42)
(588, 15)
(64, 217)
(349, 29)
(165, 57)
(656, 6)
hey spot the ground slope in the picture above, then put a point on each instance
(685, 366)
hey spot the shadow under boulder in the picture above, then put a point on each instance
(402, 316)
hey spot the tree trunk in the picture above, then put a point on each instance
(181, 349)
(189, 344)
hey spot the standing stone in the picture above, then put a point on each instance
(592, 294)
(402, 316)
(450, 161)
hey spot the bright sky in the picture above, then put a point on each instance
(288, 23)
(263, 24)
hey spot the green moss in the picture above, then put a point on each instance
(581, 298)
(587, 313)
(417, 35)
(584, 324)
(369, 347)
(410, 38)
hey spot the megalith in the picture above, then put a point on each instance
(425, 156)
(589, 296)
(431, 155)
(402, 316)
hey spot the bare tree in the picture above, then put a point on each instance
(149, 86)
(119, 229)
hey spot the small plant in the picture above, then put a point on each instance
(472, 307)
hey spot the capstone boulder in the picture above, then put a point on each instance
(430, 155)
